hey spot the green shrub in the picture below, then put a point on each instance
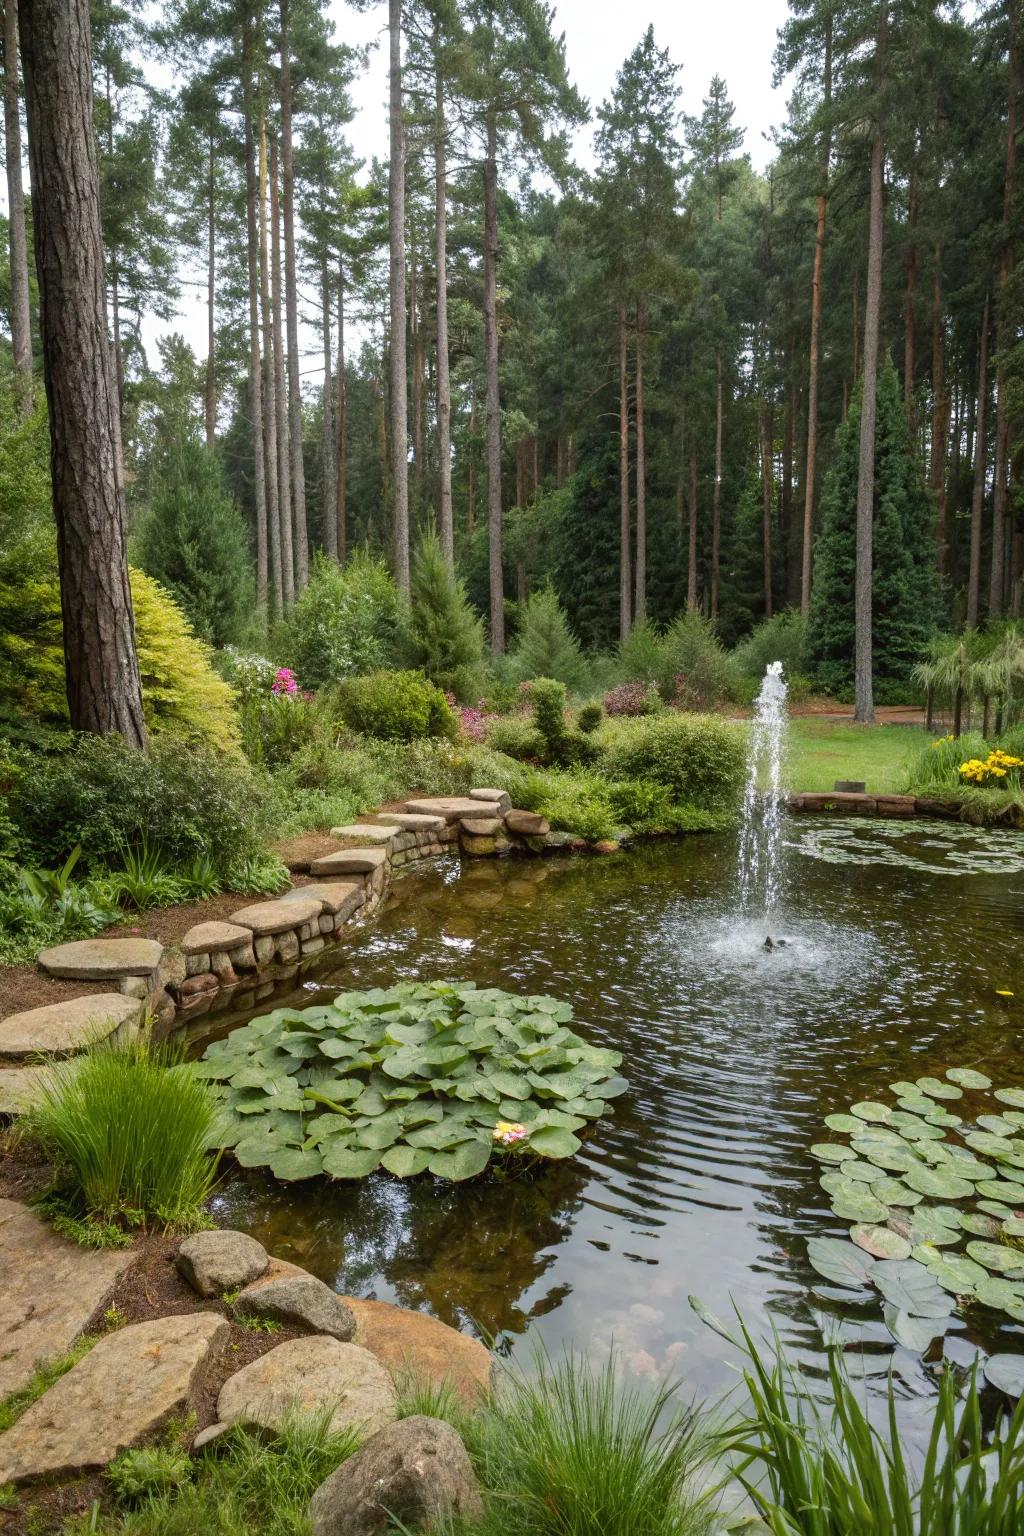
(576, 802)
(192, 538)
(394, 706)
(563, 743)
(642, 656)
(43, 907)
(445, 637)
(545, 645)
(517, 737)
(701, 758)
(128, 1128)
(104, 796)
(937, 766)
(780, 638)
(346, 621)
(698, 671)
(149, 1471)
(589, 717)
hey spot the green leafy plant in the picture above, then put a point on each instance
(347, 620)
(700, 758)
(129, 1127)
(589, 717)
(563, 744)
(419, 1077)
(148, 1472)
(395, 706)
(144, 880)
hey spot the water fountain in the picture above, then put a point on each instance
(760, 856)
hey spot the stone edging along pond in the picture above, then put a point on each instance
(899, 807)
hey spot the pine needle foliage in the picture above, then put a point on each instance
(445, 637)
(546, 646)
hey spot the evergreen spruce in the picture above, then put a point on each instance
(446, 638)
(546, 646)
(193, 540)
(905, 589)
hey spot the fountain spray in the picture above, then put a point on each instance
(760, 856)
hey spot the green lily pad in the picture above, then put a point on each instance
(846, 1125)
(989, 1145)
(1004, 1190)
(465, 1161)
(909, 1286)
(859, 1172)
(868, 1109)
(1005, 1261)
(922, 1226)
(291, 1163)
(940, 1183)
(859, 1205)
(839, 1261)
(967, 1077)
(831, 1152)
(894, 1158)
(913, 1128)
(552, 1141)
(997, 1125)
(979, 1224)
(912, 1332)
(944, 1118)
(1007, 1373)
(1013, 1226)
(1002, 1296)
(995, 1208)
(955, 1273)
(935, 1088)
(343, 1162)
(405, 1162)
(904, 1090)
(880, 1242)
(895, 1192)
(1011, 1096)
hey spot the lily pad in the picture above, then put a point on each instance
(912, 1332)
(465, 1161)
(839, 1261)
(940, 1183)
(1007, 1373)
(895, 1159)
(1002, 1295)
(995, 1208)
(846, 1125)
(935, 1088)
(1012, 1096)
(1004, 1190)
(955, 1272)
(998, 1125)
(880, 1242)
(922, 1226)
(404, 1162)
(293, 1163)
(1012, 1226)
(1005, 1261)
(859, 1204)
(979, 1224)
(831, 1152)
(894, 1192)
(909, 1286)
(343, 1162)
(967, 1077)
(868, 1109)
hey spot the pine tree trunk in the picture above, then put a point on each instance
(269, 390)
(210, 392)
(21, 324)
(419, 367)
(342, 513)
(280, 399)
(864, 706)
(295, 459)
(980, 463)
(471, 468)
(446, 526)
(101, 665)
(493, 398)
(716, 494)
(625, 578)
(328, 448)
(940, 417)
(399, 381)
(691, 567)
(255, 368)
(910, 299)
(766, 504)
(640, 569)
(997, 578)
(814, 351)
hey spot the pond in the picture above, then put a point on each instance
(899, 937)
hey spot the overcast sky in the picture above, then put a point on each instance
(735, 38)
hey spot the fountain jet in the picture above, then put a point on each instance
(760, 856)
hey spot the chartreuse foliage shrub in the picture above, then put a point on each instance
(394, 706)
(445, 638)
(701, 759)
(346, 621)
(420, 1077)
(128, 1128)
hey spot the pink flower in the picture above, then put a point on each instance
(284, 682)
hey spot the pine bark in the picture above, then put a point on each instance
(471, 468)
(640, 567)
(625, 562)
(342, 511)
(399, 383)
(101, 665)
(21, 325)
(940, 417)
(864, 706)
(716, 494)
(766, 504)
(691, 564)
(269, 388)
(910, 301)
(980, 461)
(494, 540)
(284, 510)
(328, 448)
(446, 525)
(255, 369)
(210, 390)
(300, 536)
(1000, 498)
(814, 350)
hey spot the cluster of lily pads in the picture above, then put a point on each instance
(419, 1077)
(936, 1199)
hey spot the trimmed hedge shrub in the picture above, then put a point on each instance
(701, 758)
(395, 706)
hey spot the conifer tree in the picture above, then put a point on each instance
(545, 645)
(446, 638)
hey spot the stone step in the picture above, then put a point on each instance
(338, 897)
(409, 822)
(451, 808)
(350, 861)
(19, 1088)
(270, 917)
(102, 959)
(207, 938)
(61, 1029)
(362, 832)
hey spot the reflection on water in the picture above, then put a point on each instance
(700, 1182)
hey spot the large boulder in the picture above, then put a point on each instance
(527, 824)
(419, 1347)
(299, 1301)
(125, 1389)
(310, 1374)
(416, 1471)
(215, 1262)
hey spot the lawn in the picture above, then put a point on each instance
(821, 751)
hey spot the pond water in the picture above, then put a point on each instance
(700, 1181)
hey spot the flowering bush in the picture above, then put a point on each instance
(994, 770)
(284, 684)
(639, 698)
(473, 721)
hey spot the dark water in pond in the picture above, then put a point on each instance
(700, 1182)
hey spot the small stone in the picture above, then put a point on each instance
(326, 923)
(197, 965)
(286, 947)
(417, 1472)
(244, 957)
(220, 965)
(366, 832)
(271, 917)
(499, 798)
(334, 896)
(310, 1373)
(558, 840)
(900, 806)
(208, 1435)
(20, 1087)
(482, 847)
(135, 987)
(299, 1301)
(263, 949)
(527, 824)
(61, 1029)
(350, 861)
(125, 1389)
(102, 959)
(198, 986)
(162, 1007)
(210, 936)
(171, 971)
(411, 821)
(313, 946)
(606, 845)
(223, 1260)
(481, 826)
(416, 1345)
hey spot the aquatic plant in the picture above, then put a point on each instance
(936, 1199)
(419, 1077)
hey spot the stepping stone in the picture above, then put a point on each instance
(61, 1029)
(416, 1345)
(102, 959)
(220, 1260)
(208, 938)
(311, 1374)
(409, 822)
(527, 824)
(299, 1301)
(19, 1088)
(51, 1289)
(499, 798)
(125, 1389)
(482, 826)
(350, 861)
(366, 834)
(334, 896)
(450, 808)
(269, 917)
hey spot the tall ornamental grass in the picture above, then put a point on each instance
(128, 1127)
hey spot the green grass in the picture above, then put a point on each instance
(821, 751)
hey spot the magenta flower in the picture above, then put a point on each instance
(284, 682)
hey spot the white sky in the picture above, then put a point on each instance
(735, 38)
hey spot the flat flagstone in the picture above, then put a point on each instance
(50, 1289)
(409, 822)
(366, 833)
(19, 1088)
(102, 959)
(269, 917)
(207, 938)
(334, 896)
(499, 798)
(60, 1029)
(350, 861)
(450, 808)
(124, 1390)
(310, 1374)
